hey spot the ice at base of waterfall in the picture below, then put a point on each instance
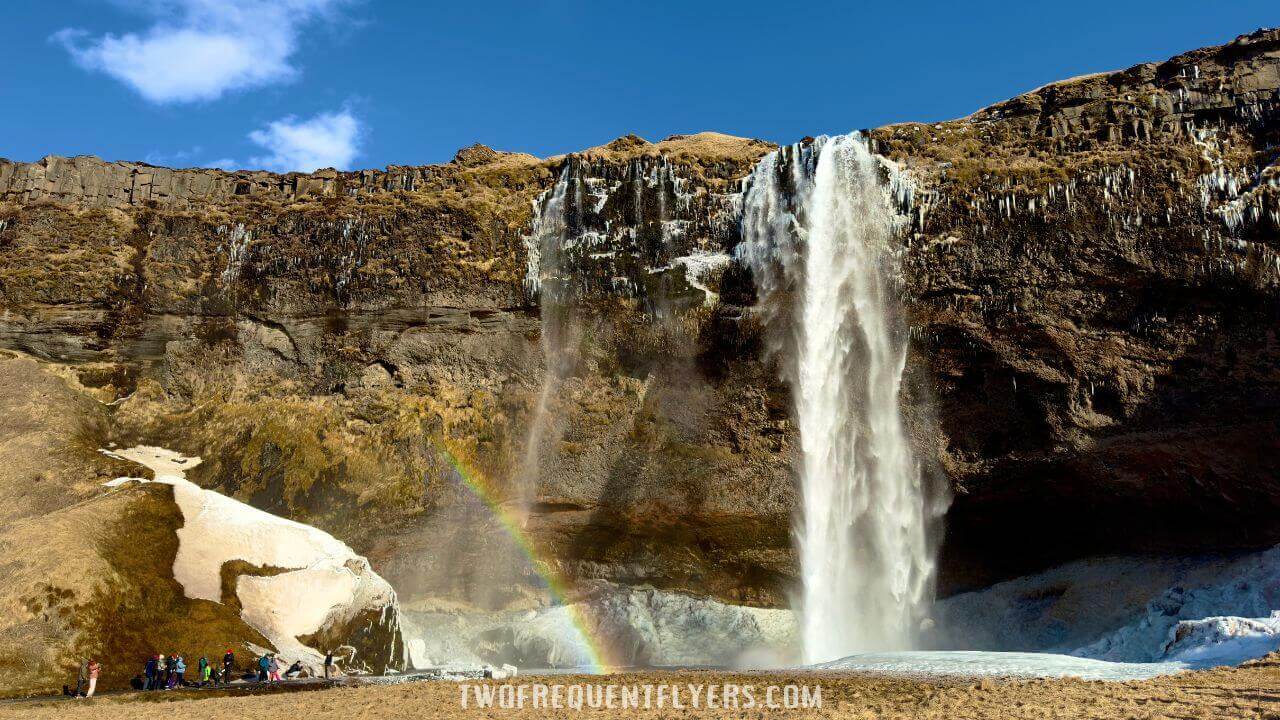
(1203, 611)
(639, 626)
(997, 664)
(453, 672)
(1224, 640)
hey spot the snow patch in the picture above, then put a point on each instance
(315, 582)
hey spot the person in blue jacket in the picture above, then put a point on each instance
(179, 667)
(149, 672)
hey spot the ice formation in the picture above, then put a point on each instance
(655, 627)
(1223, 640)
(545, 241)
(314, 581)
(999, 664)
(698, 266)
(642, 627)
(1198, 611)
(546, 638)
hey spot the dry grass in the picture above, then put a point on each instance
(719, 159)
(1244, 693)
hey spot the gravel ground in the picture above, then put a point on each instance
(1246, 693)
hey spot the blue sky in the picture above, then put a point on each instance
(293, 84)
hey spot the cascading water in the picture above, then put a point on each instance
(817, 230)
(544, 248)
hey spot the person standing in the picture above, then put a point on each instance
(81, 673)
(179, 669)
(162, 672)
(228, 666)
(94, 669)
(275, 669)
(149, 673)
(264, 666)
(202, 671)
(328, 665)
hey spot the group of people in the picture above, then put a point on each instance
(166, 672)
(269, 668)
(163, 672)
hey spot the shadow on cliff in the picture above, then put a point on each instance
(1183, 462)
(666, 513)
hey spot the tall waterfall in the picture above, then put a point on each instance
(544, 248)
(818, 229)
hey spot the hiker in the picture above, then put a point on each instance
(179, 669)
(80, 678)
(328, 665)
(149, 673)
(274, 667)
(295, 670)
(264, 664)
(94, 669)
(228, 665)
(162, 672)
(202, 671)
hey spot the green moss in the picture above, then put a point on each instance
(229, 576)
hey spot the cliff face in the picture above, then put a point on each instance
(1093, 275)
(334, 358)
(1091, 278)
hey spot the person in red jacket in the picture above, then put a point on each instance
(94, 669)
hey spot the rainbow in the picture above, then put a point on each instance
(600, 659)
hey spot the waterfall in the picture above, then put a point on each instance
(544, 279)
(818, 230)
(545, 242)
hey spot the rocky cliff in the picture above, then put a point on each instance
(1093, 274)
(1091, 278)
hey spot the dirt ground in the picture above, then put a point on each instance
(1244, 693)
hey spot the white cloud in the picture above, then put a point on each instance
(228, 164)
(326, 140)
(200, 49)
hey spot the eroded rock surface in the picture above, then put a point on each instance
(1093, 269)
